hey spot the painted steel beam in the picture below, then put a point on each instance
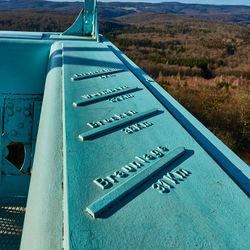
(118, 162)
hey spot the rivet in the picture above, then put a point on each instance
(13, 132)
(10, 105)
(27, 106)
(10, 113)
(26, 113)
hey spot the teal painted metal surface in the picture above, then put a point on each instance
(186, 215)
(115, 122)
(99, 207)
(21, 34)
(117, 163)
(77, 27)
(89, 16)
(24, 66)
(231, 163)
(86, 23)
(45, 216)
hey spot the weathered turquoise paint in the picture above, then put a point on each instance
(109, 128)
(24, 65)
(21, 34)
(77, 27)
(232, 164)
(44, 219)
(89, 17)
(113, 198)
(112, 145)
(23, 70)
(86, 23)
(185, 217)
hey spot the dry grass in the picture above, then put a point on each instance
(225, 111)
(205, 65)
(178, 51)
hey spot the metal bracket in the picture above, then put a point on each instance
(86, 23)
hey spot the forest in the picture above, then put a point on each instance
(204, 64)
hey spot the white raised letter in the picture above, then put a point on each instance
(102, 183)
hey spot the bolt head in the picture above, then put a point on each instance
(10, 105)
(14, 133)
(10, 113)
(26, 113)
(27, 106)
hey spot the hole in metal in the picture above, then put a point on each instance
(16, 154)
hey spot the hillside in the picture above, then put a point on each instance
(203, 63)
(20, 4)
(236, 14)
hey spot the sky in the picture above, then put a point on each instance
(217, 2)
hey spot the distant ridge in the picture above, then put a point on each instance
(163, 7)
(226, 13)
(21, 4)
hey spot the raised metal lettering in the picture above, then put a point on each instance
(112, 178)
(98, 207)
(157, 153)
(120, 174)
(170, 177)
(101, 73)
(103, 183)
(159, 187)
(136, 127)
(179, 174)
(104, 95)
(128, 168)
(115, 125)
(136, 165)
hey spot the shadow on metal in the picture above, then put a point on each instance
(71, 60)
(123, 202)
(213, 146)
(105, 130)
(12, 212)
(86, 49)
(16, 154)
